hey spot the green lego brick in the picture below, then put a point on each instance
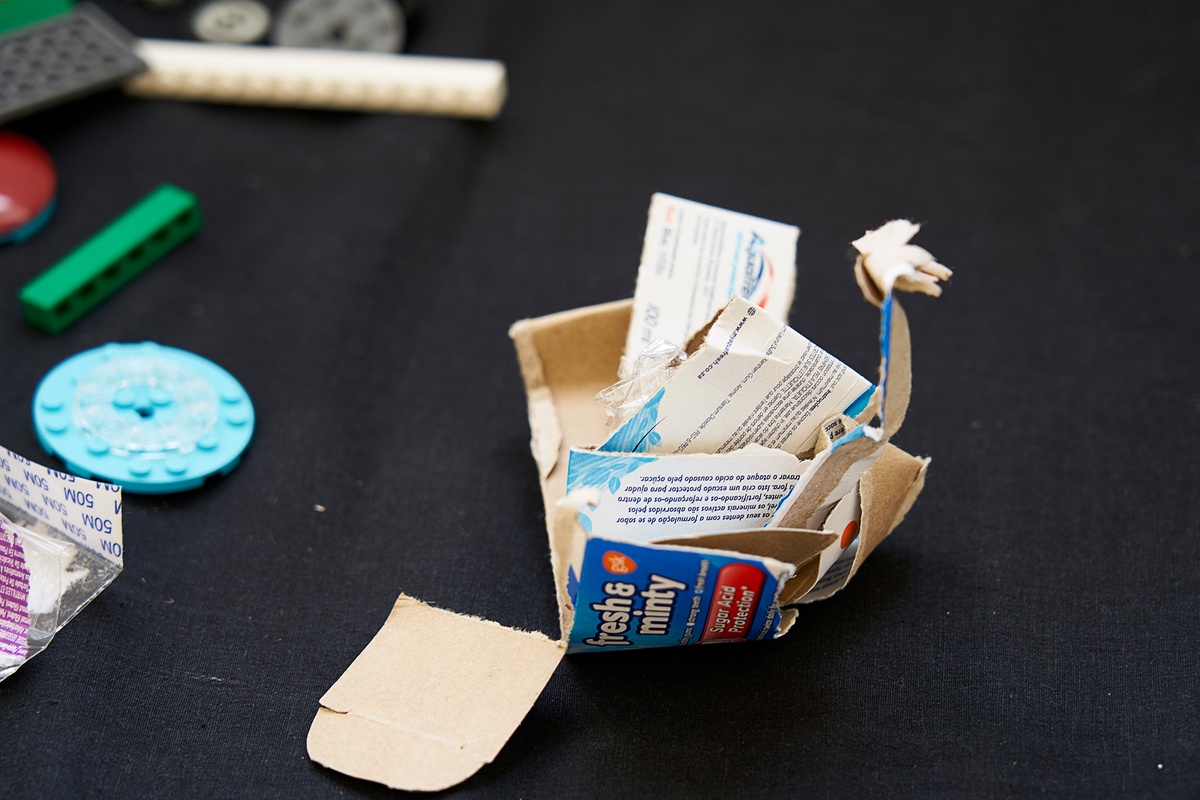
(108, 260)
(19, 13)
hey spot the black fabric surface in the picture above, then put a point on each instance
(1030, 629)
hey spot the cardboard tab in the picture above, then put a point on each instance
(889, 489)
(830, 477)
(431, 699)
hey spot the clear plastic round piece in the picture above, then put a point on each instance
(173, 406)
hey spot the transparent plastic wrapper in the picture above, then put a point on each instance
(60, 546)
(643, 376)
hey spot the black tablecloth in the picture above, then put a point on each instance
(1029, 629)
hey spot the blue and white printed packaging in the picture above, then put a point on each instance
(694, 258)
(750, 380)
(645, 498)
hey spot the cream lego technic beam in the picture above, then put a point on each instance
(311, 78)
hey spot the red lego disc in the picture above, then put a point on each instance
(27, 182)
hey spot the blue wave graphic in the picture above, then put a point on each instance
(637, 434)
(601, 471)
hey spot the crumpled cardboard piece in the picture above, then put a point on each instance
(887, 261)
(436, 695)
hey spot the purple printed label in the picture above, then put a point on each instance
(14, 596)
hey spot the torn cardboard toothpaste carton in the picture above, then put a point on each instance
(738, 473)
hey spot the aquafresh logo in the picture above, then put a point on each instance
(758, 273)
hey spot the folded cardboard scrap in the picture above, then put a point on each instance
(651, 544)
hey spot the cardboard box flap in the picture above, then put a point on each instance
(568, 541)
(431, 699)
(895, 368)
(829, 478)
(562, 379)
(889, 489)
(546, 432)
